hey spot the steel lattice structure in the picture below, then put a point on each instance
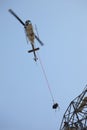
(75, 117)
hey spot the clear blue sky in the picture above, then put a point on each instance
(25, 101)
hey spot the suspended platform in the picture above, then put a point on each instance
(75, 117)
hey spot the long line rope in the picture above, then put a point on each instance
(45, 76)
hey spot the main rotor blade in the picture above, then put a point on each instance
(39, 40)
(11, 11)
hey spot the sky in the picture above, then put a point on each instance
(25, 100)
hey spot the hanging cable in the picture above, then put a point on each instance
(55, 105)
(48, 85)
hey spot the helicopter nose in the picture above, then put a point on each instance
(27, 21)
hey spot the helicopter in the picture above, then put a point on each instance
(31, 36)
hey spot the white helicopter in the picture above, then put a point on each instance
(29, 33)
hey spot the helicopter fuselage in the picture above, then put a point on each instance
(31, 36)
(30, 32)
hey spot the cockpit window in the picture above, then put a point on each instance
(28, 22)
